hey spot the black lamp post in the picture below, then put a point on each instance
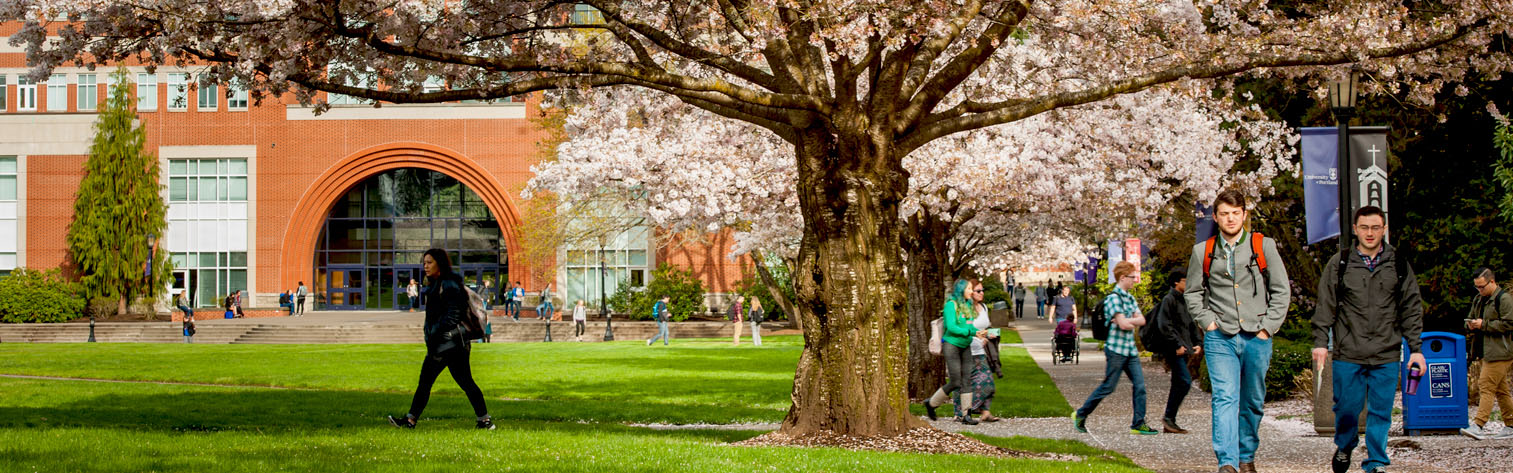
(1342, 96)
(609, 330)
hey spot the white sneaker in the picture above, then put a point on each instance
(1504, 434)
(1475, 431)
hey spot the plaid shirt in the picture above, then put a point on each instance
(1120, 341)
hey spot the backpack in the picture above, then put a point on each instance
(1099, 321)
(758, 316)
(1151, 336)
(473, 325)
(937, 333)
(1257, 256)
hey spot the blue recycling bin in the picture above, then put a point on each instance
(1440, 403)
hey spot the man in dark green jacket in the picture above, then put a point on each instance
(1491, 318)
(1382, 309)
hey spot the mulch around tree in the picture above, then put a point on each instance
(919, 440)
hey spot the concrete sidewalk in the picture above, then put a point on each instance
(1288, 444)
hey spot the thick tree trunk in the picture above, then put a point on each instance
(775, 289)
(929, 277)
(852, 377)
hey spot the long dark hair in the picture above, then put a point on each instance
(443, 263)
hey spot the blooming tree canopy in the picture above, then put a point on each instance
(853, 88)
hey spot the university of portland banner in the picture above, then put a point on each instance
(1115, 255)
(1321, 194)
(1204, 227)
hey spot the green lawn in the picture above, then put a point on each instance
(1011, 336)
(560, 407)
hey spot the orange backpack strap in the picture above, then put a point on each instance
(1255, 248)
(1208, 257)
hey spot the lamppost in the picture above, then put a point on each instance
(1342, 96)
(609, 330)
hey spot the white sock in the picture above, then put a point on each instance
(939, 398)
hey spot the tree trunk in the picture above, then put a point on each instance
(852, 377)
(776, 290)
(929, 278)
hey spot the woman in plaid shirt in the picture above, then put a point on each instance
(1120, 351)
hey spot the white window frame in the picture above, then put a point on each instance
(3, 104)
(26, 94)
(147, 92)
(88, 91)
(11, 172)
(237, 99)
(57, 88)
(207, 89)
(178, 92)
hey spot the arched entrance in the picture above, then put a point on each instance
(371, 246)
(303, 239)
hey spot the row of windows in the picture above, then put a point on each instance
(88, 88)
(207, 180)
(7, 178)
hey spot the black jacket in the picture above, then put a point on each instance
(446, 305)
(1379, 313)
(1179, 328)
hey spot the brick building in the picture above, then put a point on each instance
(264, 196)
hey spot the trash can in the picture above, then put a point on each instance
(1440, 403)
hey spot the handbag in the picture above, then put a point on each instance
(937, 331)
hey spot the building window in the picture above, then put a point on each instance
(360, 79)
(210, 276)
(26, 94)
(147, 92)
(625, 263)
(208, 94)
(178, 91)
(238, 98)
(3, 108)
(587, 15)
(207, 180)
(8, 204)
(57, 93)
(88, 92)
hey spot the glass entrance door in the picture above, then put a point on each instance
(402, 277)
(345, 287)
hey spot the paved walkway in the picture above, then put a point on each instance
(1288, 444)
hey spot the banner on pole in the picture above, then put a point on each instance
(1115, 255)
(1132, 252)
(1204, 227)
(1321, 195)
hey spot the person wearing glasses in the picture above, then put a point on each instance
(1383, 309)
(1491, 318)
(957, 316)
(1120, 352)
(980, 383)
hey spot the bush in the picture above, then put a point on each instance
(993, 291)
(28, 295)
(685, 290)
(1291, 364)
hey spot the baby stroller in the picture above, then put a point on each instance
(1064, 344)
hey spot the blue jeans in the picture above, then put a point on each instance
(661, 333)
(1130, 366)
(1040, 308)
(1182, 383)
(1237, 369)
(1375, 385)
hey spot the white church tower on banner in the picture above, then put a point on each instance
(1373, 182)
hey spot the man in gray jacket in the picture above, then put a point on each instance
(1382, 308)
(1239, 297)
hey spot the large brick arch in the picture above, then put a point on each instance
(303, 233)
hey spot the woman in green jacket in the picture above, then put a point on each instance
(957, 315)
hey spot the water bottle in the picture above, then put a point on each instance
(1413, 376)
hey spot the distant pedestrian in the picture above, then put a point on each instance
(756, 315)
(980, 383)
(659, 313)
(1066, 305)
(580, 318)
(1120, 352)
(1380, 292)
(446, 343)
(299, 298)
(414, 292)
(1491, 319)
(736, 316)
(1179, 346)
(956, 347)
(240, 293)
(546, 309)
(1040, 300)
(1018, 302)
(183, 304)
(513, 299)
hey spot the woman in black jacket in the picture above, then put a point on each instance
(446, 346)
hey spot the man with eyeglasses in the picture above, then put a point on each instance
(1120, 353)
(1382, 309)
(1491, 318)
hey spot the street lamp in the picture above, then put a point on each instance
(1342, 97)
(609, 330)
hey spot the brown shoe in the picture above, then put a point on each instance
(1172, 428)
(1227, 469)
(1247, 467)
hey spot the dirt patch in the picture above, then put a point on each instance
(921, 440)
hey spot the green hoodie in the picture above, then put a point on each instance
(959, 329)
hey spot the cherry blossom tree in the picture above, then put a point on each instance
(852, 88)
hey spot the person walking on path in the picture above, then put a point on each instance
(1382, 309)
(736, 316)
(1491, 318)
(755, 316)
(446, 341)
(1066, 306)
(1018, 302)
(580, 317)
(1040, 300)
(956, 346)
(1180, 348)
(487, 294)
(546, 308)
(660, 314)
(513, 299)
(1239, 297)
(981, 384)
(299, 298)
(183, 305)
(239, 294)
(414, 292)
(1120, 352)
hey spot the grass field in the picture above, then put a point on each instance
(560, 407)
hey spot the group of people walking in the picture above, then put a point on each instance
(970, 349)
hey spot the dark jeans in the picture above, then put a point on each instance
(1130, 366)
(577, 328)
(512, 309)
(958, 367)
(1374, 386)
(301, 306)
(1182, 383)
(457, 362)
